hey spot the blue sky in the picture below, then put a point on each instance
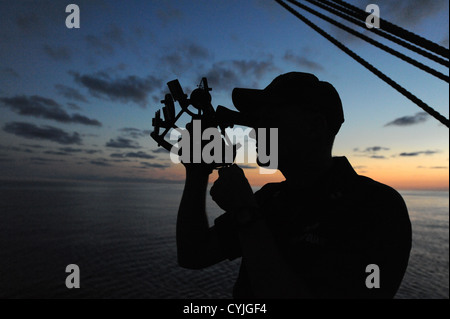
(78, 103)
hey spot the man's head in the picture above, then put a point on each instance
(307, 112)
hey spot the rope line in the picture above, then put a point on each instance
(328, 6)
(399, 55)
(396, 30)
(369, 66)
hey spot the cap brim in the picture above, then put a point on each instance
(248, 100)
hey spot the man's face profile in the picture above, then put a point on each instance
(296, 134)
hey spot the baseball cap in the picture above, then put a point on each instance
(289, 91)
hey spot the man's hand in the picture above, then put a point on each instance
(195, 168)
(231, 190)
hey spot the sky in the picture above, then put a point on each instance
(77, 104)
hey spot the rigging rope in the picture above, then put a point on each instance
(399, 55)
(396, 30)
(370, 67)
(328, 6)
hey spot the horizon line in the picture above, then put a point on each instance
(118, 179)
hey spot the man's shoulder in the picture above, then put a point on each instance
(370, 189)
(364, 187)
(371, 200)
(384, 208)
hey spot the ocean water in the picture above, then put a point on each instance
(122, 237)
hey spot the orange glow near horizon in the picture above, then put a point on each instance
(425, 173)
(410, 179)
(398, 174)
(419, 179)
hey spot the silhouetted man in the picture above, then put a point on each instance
(325, 232)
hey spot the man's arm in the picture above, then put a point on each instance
(197, 243)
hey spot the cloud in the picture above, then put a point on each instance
(100, 163)
(167, 13)
(360, 168)
(74, 106)
(61, 53)
(439, 167)
(134, 132)
(99, 45)
(15, 149)
(153, 165)
(228, 74)
(43, 160)
(27, 21)
(70, 93)
(70, 149)
(49, 133)
(160, 150)
(409, 120)
(371, 152)
(115, 35)
(433, 167)
(119, 155)
(411, 12)
(129, 179)
(223, 76)
(253, 68)
(374, 149)
(405, 13)
(104, 44)
(127, 89)
(63, 151)
(81, 119)
(36, 18)
(92, 151)
(139, 154)
(412, 154)
(42, 107)
(9, 72)
(56, 153)
(183, 56)
(302, 62)
(33, 145)
(122, 142)
(120, 160)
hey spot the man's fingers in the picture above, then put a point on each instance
(216, 188)
(237, 169)
(232, 170)
(225, 173)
